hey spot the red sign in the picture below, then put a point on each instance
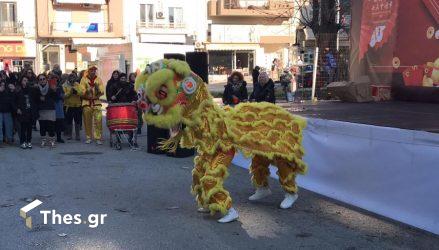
(12, 49)
(378, 21)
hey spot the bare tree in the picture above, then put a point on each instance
(323, 17)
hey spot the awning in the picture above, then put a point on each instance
(97, 41)
(309, 34)
(232, 46)
(99, 2)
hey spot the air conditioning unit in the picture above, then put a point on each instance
(160, 15)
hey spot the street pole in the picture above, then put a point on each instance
(314, 74)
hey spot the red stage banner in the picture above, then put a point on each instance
(397, 37)
(378, 21)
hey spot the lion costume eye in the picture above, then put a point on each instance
(189, 85)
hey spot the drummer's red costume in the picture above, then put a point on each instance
(92, 88)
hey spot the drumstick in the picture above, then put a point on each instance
(118, 92)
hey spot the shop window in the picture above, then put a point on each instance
(19, 65)
(50, 57)
(220, 62)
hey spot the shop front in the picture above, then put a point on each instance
(15, 55)
(226, 58)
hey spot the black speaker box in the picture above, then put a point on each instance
(153, 136)
(198, 61)
(177, 56)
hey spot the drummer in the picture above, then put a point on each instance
(123, 92)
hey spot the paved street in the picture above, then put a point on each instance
(148, 206)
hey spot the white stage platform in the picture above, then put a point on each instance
(389, 171)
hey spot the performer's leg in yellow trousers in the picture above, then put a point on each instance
(208, 178)
(286, 171)
(93, 117)
(260, 171)
(197, 173)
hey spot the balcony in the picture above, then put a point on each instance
(250, 8)
(11, 29)
(165, 32)
(160, 28)
(86, 28)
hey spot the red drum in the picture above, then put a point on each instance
(122, 116)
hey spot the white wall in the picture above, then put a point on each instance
(389, 171)
(237, 33)
(194, 18)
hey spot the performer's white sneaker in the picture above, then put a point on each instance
(288, 200)
(203, 210)
(232, 215)
(260, 193)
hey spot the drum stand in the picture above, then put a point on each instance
(123, 136)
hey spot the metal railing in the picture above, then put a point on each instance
(78, 27)
(152, 25)
(11, 28)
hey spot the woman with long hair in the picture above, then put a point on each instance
(27, 111)
(46, 110)
(236, 90)
(112, 84)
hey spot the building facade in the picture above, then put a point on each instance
(243, 34)
(17, 35)
(77, 33)
(157, 27)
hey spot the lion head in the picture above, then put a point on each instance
(168, 86)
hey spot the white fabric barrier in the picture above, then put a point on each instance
(389, 171)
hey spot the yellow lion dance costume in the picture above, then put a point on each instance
(269, 134)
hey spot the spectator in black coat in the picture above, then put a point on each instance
(46, 110)
(236, 90)
(27, 111)
(7, 108)
(255, 74)
(32, 78)
(124, 91)
(112, 85)
(132, 79)
(264, 90)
